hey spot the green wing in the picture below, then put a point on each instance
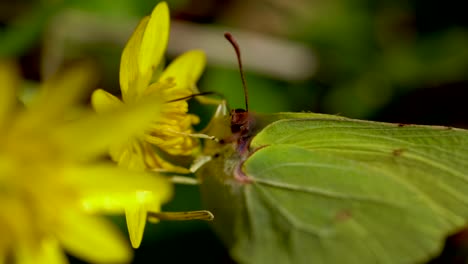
(330, 190)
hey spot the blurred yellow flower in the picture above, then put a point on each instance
(141, 75)
(52, 179)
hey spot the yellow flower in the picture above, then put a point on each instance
(52, 177)
(139, 77)
(168, 134)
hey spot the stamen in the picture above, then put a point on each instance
(177, 179)
(195, 135)
(198, 162)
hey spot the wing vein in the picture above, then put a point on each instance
(324, 193)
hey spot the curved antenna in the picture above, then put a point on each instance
(191, 96)
(231, 39)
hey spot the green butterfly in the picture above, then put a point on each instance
(315, 188)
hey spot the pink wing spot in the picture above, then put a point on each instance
(240, 176)
(343, 215)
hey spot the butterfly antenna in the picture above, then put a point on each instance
(231, 39)
(191, 96)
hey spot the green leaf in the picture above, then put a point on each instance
(327, 189)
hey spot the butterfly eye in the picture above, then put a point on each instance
(235, 128)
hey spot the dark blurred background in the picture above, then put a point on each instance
(385, 60)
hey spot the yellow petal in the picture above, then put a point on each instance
(51, 253)
(157, 163)
(137, 215)
(112, 204)
(155, 38)
(106, 187)
(129, 73)
(10, 80)
(94, 134)
(48, 252)
(106, 178)
(62, 91)
(103, 101)
(93, 239)
(15, 220)
(129, 155)
(136, 222)
(186, 69)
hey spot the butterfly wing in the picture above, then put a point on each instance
(335, 190)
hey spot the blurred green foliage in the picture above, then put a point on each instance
(372, 52)
(22, 32)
